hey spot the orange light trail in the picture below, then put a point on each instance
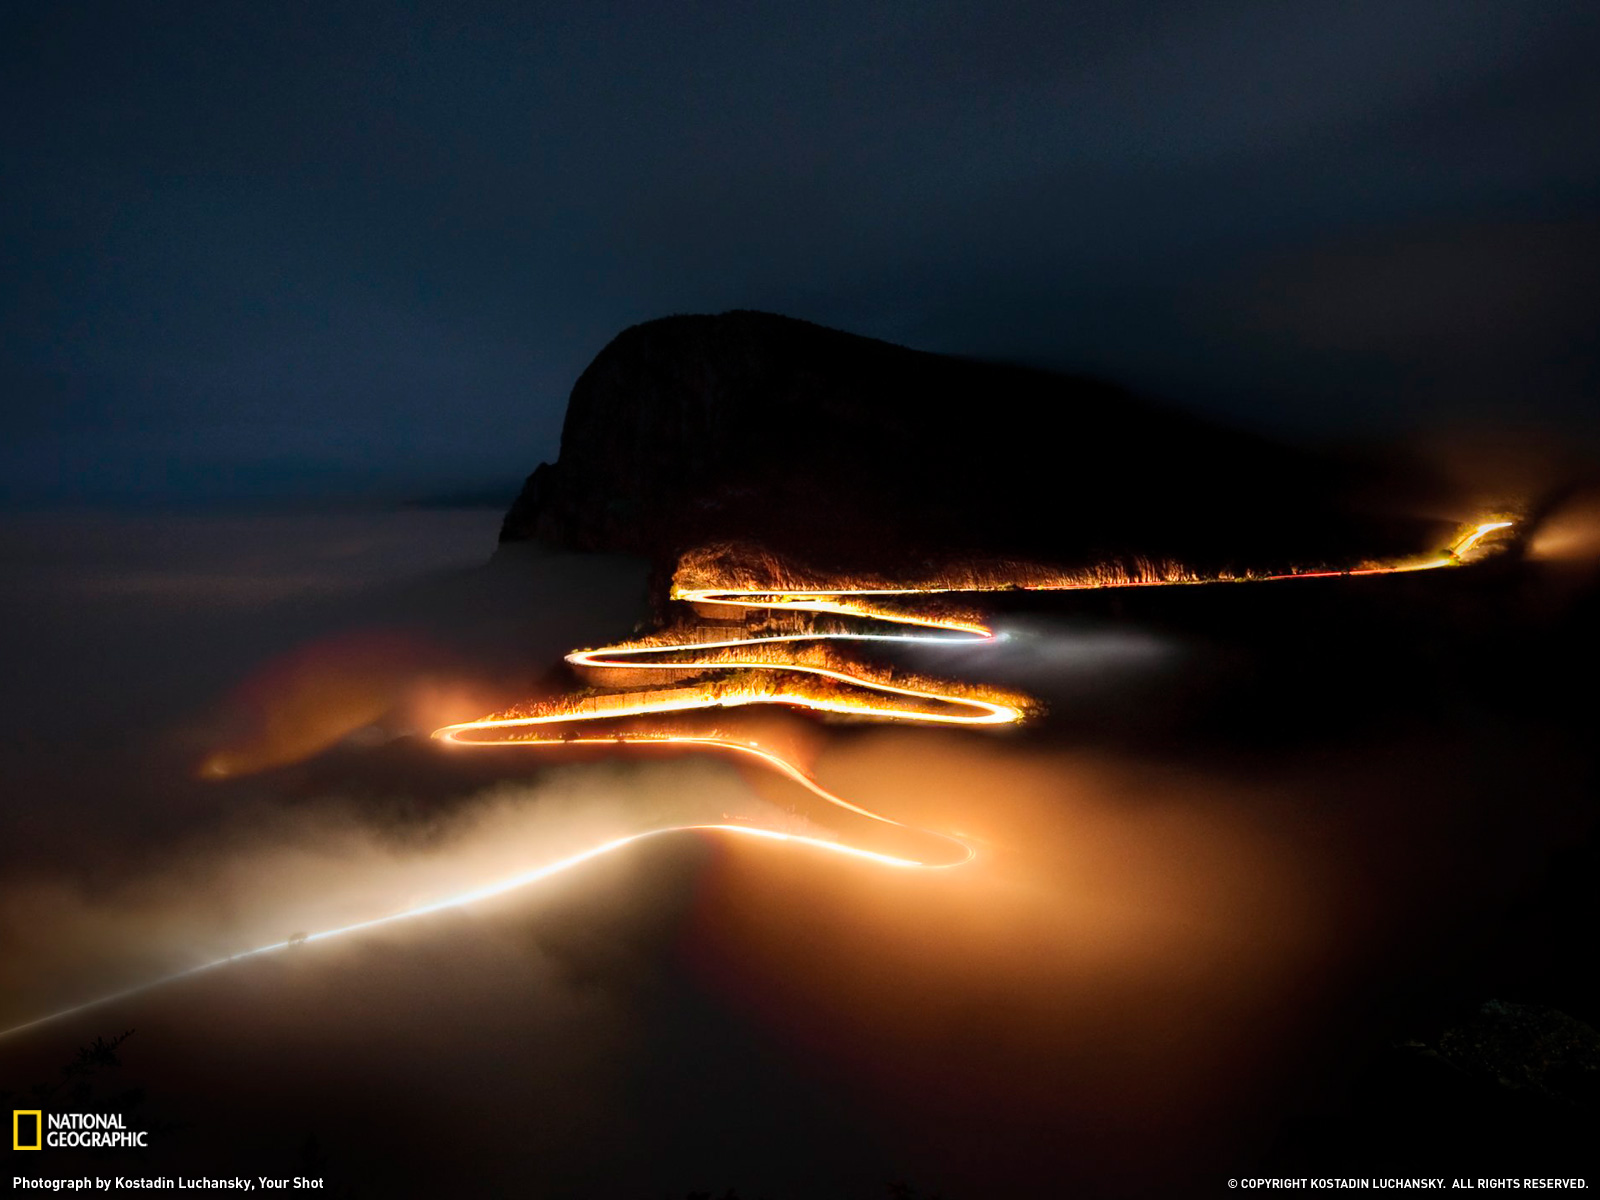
(1477, 535)
(876, 697)
(804, 684)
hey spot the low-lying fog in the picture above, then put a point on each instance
(1213, 873)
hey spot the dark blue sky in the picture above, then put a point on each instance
(263, 249)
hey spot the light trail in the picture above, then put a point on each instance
(873, 696)
(803, 684)
(461, 899)
(1477, 535)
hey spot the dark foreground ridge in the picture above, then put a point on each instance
(835, 448)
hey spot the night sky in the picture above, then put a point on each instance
(319, 250)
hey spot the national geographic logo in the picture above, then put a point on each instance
(31, 1130)
(27, 1129)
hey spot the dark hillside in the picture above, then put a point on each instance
(835, 448)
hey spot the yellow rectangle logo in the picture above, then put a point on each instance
(27, 1123)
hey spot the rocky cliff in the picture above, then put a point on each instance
(841, 449)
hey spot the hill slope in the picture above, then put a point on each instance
(842, 449)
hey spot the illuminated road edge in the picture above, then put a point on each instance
(803, 682)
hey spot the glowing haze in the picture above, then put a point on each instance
(757, 635)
